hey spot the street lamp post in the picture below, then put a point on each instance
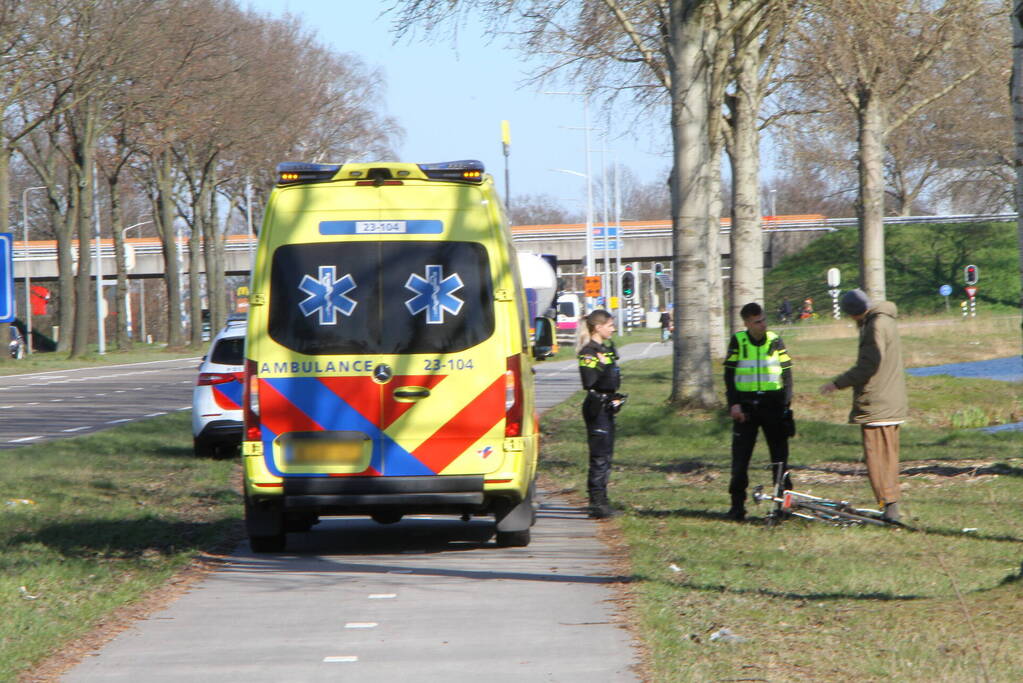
(28, 276)
(127, 293)
(589, 185)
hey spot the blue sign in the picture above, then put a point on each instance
(609, 231)
(945, 290)
(7, 277)
(602, 244)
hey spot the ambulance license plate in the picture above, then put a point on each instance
(325, 452)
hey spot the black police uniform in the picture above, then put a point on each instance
(765, 410)
(601, 377)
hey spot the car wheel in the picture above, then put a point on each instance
(513, 539)
(201, 448)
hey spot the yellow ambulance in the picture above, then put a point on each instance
(388, 367)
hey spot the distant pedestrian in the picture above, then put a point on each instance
(880, 404)
(665, 325)
(785, 312)
(758, 385)
(601, 378)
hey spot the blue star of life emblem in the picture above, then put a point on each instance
(327, 296)
(434, 294)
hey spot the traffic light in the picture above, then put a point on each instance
(628, 282)
(971, 274)
(658, 269)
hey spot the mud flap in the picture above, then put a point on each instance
(519, 517)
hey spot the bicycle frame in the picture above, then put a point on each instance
(798, 504)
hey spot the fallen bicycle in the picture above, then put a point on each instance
(838, 512)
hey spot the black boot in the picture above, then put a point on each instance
(600, 507)
(737, 512)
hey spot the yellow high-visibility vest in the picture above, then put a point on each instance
(758, 367)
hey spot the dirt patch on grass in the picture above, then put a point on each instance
(949, 471)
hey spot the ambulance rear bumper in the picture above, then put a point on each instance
(359, 495)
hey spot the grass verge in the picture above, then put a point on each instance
(806, 600)
(110, 517)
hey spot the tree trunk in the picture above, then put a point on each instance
(1016, 89)
(121, 310)
(747, 242)
(65, 228)
(83, 153)
(692, 379)
(870, 204)
(163, 216)
(195, 276)
(715, 281)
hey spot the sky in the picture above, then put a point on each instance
(450, 98)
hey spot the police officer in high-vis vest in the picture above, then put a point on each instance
(758, 384)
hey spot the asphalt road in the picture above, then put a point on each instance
(41, 406)
(427, 599)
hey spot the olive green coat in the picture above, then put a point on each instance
(878, 379)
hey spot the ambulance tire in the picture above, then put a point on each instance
(265, 526)
(513, 539)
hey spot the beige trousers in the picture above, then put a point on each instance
(881, 451)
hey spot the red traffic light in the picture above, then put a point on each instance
(971, 274)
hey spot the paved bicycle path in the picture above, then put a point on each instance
(422, 600)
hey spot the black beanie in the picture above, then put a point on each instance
(854, 302)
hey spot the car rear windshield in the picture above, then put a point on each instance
(229, 351)
(380, 297)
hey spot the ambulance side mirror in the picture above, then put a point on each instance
(543, 338)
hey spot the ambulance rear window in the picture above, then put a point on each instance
(380, 297)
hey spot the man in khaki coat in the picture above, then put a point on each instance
(879, 394)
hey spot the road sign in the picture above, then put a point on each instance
(609, 231)
(971, 291)
(6, 277)
(592, 287)
(945, 290)
(602, 244)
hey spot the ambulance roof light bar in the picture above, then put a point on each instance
(291, 172)
(467, 170)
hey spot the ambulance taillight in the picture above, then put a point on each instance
(513, 401)
(250, 402)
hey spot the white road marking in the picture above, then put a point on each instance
(77, 429)
(154, 414)
(361, 624)
(34, 403)
(24, 439)
(123, 419)
(382, 596)
(185, 408)
(341, 658)
(2, 407)
(56, 400)
(99, 394)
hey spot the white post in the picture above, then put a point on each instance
(28, 269)
(127, 293)
(101, 332)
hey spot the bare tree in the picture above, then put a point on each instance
(886, 61)
(658, 52)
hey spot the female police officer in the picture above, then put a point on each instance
(598, 369)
